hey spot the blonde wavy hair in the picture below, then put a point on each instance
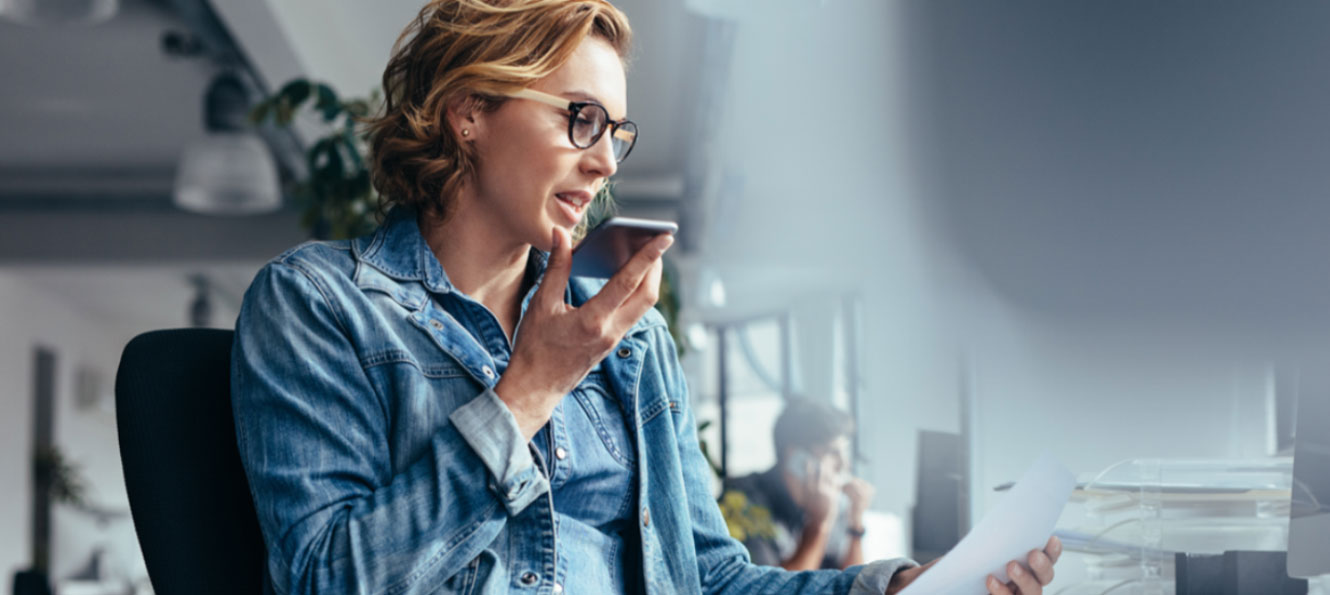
(470, 51)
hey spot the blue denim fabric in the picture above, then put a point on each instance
(594, 508)
(381, 461)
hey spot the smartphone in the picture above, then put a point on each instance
(609, 245)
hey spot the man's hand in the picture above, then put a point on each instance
(860, 494)
(822, 491)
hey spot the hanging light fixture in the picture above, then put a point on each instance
(42, 13)
(230, 171)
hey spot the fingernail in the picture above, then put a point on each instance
(1016, 571)
(664, 242)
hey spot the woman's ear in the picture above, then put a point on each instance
(464, 118)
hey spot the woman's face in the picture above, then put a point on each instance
(530, 177)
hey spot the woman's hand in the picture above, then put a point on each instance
(556, 344)
(1031, 580)
(1024, 581)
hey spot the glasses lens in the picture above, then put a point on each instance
(623, 139)
(587, 125)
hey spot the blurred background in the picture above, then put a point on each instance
(986, 229)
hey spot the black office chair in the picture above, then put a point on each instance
(187, 491)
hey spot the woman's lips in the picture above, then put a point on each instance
(572, 206)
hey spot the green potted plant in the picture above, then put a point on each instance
(337, 199)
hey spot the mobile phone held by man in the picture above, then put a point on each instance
(609, 245)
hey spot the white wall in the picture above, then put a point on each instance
(31, 318)
(85, 316)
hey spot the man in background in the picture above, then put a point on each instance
(815, 506)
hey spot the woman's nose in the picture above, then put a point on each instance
(599, 158)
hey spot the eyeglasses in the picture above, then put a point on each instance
(587, 122)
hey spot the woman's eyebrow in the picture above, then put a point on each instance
(586, 96)
(582, 95)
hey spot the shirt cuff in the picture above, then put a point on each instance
(875, 576)
(491, 430)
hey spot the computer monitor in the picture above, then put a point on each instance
(1309, 514)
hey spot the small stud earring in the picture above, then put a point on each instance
(466, 132)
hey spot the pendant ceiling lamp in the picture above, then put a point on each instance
(43, 13)
(230, 171)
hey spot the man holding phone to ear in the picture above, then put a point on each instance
(816, 506)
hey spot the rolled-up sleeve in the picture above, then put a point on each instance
(490, 428)
(875, 576)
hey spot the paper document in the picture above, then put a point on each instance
(1022, 521)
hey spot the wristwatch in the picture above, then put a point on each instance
(856, 532)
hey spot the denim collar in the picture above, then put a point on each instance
(399, 251)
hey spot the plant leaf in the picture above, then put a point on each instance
(328, 103)
(296, 92)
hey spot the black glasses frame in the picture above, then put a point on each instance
(574, 108)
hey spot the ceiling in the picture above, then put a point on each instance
(84, 106)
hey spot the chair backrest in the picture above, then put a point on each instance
(187, 491)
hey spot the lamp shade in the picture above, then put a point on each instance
(227, 173)
(58, 12)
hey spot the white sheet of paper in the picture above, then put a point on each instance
(1022, 521)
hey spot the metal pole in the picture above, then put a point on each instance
(723, 393)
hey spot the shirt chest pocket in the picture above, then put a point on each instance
(600, 418)
(422, 392)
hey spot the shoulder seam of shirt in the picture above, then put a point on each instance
(299, 267)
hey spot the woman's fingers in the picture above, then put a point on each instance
(1029, 581)
(995, 587)
(1053, 549)
(625, 282)
(1025, 582)
(642, 299)
(1042, 566)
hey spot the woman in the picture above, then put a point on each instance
(437, 407)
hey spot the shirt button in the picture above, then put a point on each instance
(646, 517)
(529, 578)
(489, 372)
(558, 588)
(438, 326)
(561, 453)
(625, 352)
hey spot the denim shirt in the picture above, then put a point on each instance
(381, 460)
(588, 458)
